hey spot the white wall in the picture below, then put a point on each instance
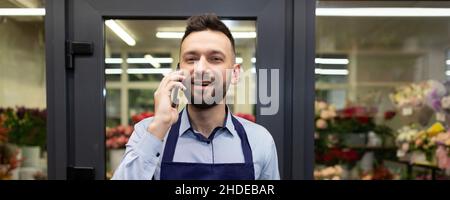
(22, 64)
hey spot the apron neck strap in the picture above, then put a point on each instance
(172, 139)
(244, 140)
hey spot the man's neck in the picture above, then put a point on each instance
(205, 120)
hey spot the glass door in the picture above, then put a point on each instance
(134, 43)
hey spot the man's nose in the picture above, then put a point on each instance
(200, 66)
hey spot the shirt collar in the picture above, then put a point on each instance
(185, 123)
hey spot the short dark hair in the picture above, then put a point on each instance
(207, 22)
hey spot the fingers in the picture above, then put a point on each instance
(173, 76)
(176, 77)
(174, 84)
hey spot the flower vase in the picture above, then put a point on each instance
(418, 157)
(31, 160)
(346, 172)
(115, 157)
(31, 156)
(355, 139)
(418, 114)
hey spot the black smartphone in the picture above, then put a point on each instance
(174, 95)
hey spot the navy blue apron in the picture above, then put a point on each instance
(205, 171)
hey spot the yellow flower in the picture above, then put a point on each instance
(435, 129)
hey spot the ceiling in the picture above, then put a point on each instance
(144, 32)
(372, 33)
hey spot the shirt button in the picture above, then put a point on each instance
(208, 142)
(157, 154)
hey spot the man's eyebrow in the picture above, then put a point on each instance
(190, 53)
(216, 52)
(210, 52)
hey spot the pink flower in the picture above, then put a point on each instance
(121, 129)
(419, 142)
(442, 157)
(109, 143)
(128, 130)
(405, 147)
(122, 140)
(321, 124)
(322, 105)
(324, 114)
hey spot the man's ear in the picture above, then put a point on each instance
(235, 75)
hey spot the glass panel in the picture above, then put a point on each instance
(134, 71)
(22, 96)
(382, 100)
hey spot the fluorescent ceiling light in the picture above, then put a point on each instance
(113, 60)
(139, 71)
(447, 62)
(253, 70)
(229, 23)
(145, 60)
(238, 35)
(179, 35)
(332, 61)
(22, 11)
(137, 60)
(331, 71)
(170, 35)
(384, 12)
(239, 60)
(447, 73)
(149, 71)
(152, 61)
(119, 31)
(253, 60)
(113, 71)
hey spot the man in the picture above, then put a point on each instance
(204, 140)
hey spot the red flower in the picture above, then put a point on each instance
(363, 119)
(337, 154)
(248, 117)
(118, 137)
(139, 117)
(389, 115)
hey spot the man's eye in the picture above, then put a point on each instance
(190, 60)
(216, 59)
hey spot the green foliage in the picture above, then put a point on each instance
(27, 127)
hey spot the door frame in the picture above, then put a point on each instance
(76, 105)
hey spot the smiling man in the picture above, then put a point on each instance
(205, 140)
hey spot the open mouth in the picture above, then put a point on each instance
(201, 83)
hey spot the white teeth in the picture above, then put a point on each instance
(200, 83)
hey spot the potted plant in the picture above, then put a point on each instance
(27, 129)
(116, 139)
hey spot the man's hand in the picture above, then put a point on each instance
(165, 114)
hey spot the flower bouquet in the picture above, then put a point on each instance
(418, 145)
(329, 173)
(116, 140)
(443, 150)
(325, 134)
(411, 101)
(405, 136)
(334, 156)
(324, 113)
(26, 127)
(3, 130)
(118, 137)
(8, 161)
